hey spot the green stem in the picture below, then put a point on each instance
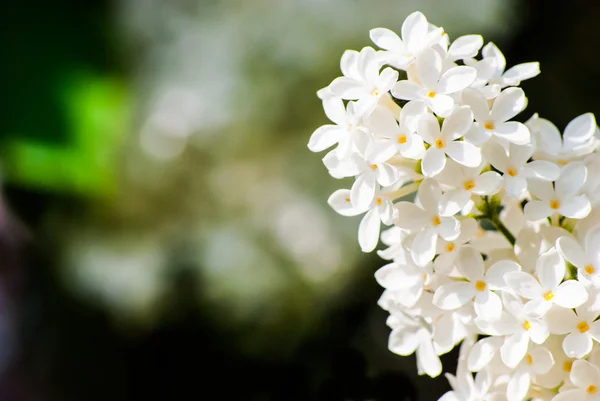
(491, 213)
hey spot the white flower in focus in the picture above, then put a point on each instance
(464, 388)
(345, 133)
(433, 86)
(494, 122)
(516, 168)
(580, 326)
(400, 135)
(586, 379)
(407, 278)
(416, 36)
(537, 361)
(448, 250)
(517, 327)
(465, 182)
(363, 81)
(445, 141)
(586, 258)
(514, 75)
(478, 287)
(550, 289)
(426, 221)
(563, 199)
(577, 140)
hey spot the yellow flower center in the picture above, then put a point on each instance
(450, 247)
(554, 204)
(529, 359)
(562, 162)
(583, 327)
(347, 200)
(526, 325)
(379, 201)
(431, 94)
(567, 366)
(591, 389)
(439, 143)
(489, 125)
(436, 221)
(589, 269)
(373, 167)
(480, 285)
(375, 92)
(548, 295)
(512, 172)
(401, 138)
(469, 185)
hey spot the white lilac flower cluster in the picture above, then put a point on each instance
(500, 248)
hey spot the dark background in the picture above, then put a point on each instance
(56, 344)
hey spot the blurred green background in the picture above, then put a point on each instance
(164, 232)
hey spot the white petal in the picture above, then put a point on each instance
(580, 129)
(453, 201)
(570, 294)
(454, 295)
(382, 122)
(429, 128)
(577, 345)
(456, 79)
(348, 63)
(572, 251)
(542, 190)
(524, 284)
(368, 230)
(561, 321)
(570, 395)
(482, 353)
(572, 177)
(404, 341)
(449, 228)
(514, 132)
(514, 186)
(508, 104)
(335, 110)
(470, 263)
(541, 170)
(487, 183)
(433, 162)
(576, 207)
(423, 247)
(550, 269)
(414, 27)
(537, 308)
(363, 191)
(466, 46)
(429, 194)
(385, 39)
(542, 360)
(514, 349)
(340, 202)
(518, 385)
(488, 305)
(396, 277)
(347, 88)
(495, 276)
(464, 153)
(536, 210)
(477, 102)
(521, 72)
(387, 174)
(407, 90)
(428, 360)
(411, 113)
(387, 79)
(497, 156)
(458, 123)
(442, 105)
(324, 137)
(429, 67)
(584, 374)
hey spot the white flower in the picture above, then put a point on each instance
(576, 141)
(550, 289)
(563, 199)
(464, 388)
(407, 277)
(345, 133)
(426, 221)
(536, 362)
(514, 75)
(479, 285)
(432, 86)
(416, 36)
(364, 82)
(516, 168)
(445, 141)
(494, 122)
(448, 250)
(465, 182)
(400, 135)
(586, 379)
(517, 327)
(581, 328)
(586, 258)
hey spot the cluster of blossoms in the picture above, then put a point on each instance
(494, 241)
